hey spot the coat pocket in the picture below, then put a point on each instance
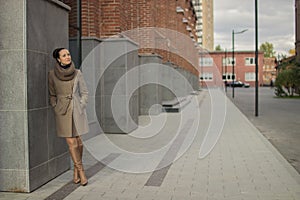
(62, 105)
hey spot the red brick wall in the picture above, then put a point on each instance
(72, 17)
(90, 18)
(110, 17)
(105, 18)
(167, 17)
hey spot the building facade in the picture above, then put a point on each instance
(101, 35)
(216, 67)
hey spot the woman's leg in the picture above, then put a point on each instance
(76, 178)
(76, 157)
(80, 145)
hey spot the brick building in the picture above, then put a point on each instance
(102, 19)
(217, 65)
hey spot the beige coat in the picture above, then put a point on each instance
(69, 99)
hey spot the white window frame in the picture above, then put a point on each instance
(228, 61)
(207, 76)
(228, 77)
(250, 76)
(206, 62)
(249, 61)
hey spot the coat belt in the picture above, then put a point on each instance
(70, 97)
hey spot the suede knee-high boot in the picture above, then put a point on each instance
(76, 178)
(76, 157)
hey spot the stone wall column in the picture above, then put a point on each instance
(30, 152)
(150, 94)
(116, 100)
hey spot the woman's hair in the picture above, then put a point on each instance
(56, 52)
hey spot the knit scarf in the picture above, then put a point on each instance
(65, 74)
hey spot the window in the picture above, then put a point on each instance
(207, 76)
(228, 77)
(249, 61)
(250, 76)
(179, 9)
(228, 61)
(206, 62)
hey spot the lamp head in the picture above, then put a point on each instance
(243, 31)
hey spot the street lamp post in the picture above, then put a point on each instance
(226, 70)
(233, 76)
(256, 58)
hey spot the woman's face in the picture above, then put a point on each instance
(64, 57)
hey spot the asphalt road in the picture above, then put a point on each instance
(278, 120)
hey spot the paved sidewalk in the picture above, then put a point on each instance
(243, 165)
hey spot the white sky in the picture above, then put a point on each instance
(276, 20)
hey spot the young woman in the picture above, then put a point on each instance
(68, 97)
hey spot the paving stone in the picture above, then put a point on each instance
(242, 166)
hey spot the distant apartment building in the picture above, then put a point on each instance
(216, 68)
(208, 25)
(205, 23)
(269, 71)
